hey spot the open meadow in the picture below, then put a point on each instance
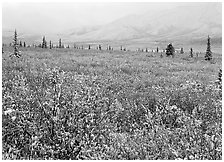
(92, 104)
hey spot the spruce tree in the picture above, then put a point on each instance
(170, 50)
(181, 50)
(15, 45)
(44, 43)
(208, 54)
(50, 45)
(157, 49)
(24, 44)
(191, 52)
(220, 78)
(20, 44)
(60, 46)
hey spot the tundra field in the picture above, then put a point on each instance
(91, 104)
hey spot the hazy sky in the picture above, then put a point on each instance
(52, 17)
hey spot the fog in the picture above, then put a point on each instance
(56, 17)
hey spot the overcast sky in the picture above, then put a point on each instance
(54, 17)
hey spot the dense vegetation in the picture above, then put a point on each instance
(89, 104)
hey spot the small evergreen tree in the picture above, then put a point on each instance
(60, 46)
(50, 45)
(181, 50)
(191, 52)
(220, 78)
(24, 44)
(44, 43)
(208, 54)
(157, 49)
(170, 50)
(20, 44)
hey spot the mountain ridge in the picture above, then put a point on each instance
(185, 23)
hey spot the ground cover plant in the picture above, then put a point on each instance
(90, 104)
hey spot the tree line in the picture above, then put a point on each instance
(169, 51)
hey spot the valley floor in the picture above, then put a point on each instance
(90, 104)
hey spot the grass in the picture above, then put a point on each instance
(89, 104)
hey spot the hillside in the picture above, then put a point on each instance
(190, 22)
(182, 24)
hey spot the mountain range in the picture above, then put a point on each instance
(185, 23)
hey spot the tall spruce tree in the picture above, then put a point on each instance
(208, 54)
(44, 43)
(16, 45)
(60, 46)
(220, 78)
(191, 52)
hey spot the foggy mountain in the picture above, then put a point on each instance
(182, 23)
(190, 22)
